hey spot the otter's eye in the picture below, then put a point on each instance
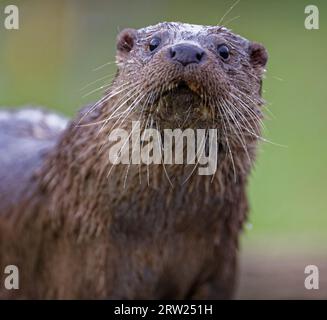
(154, 44)
(223, 51)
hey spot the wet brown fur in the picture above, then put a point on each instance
(83, 228)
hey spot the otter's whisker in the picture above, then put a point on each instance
(96, 81)
(145, 105)
(228, 11)
(103, 65)
(122, 147)
(197, 155)
(227, 140)
(130, 161)
(248, 109)
(100, 102)
(140, 117)
(162, 160)
(238, 134)
(104, 86)
(120, 106)
(128, 111)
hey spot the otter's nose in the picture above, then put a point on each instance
(185, 53)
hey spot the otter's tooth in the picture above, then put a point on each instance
(194, 86)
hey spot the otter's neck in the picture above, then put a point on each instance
(81, 182)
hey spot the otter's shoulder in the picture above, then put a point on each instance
(31, 123)
(25, 136)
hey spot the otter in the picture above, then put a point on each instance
(78, 226)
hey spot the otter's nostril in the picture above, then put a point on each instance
(199, 56)
(186, 53)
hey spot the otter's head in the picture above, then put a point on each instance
(183, 75)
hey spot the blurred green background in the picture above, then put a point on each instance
(61, 43)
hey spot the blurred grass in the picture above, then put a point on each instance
(59, 43)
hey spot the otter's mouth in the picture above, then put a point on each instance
(181, 106)
(181, 88)
(180, 102)
(179, 96)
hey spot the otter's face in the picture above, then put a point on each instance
(193, 76)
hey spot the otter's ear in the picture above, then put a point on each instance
(125, 43)
(258, 55)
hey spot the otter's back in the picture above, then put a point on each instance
(25, 136)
